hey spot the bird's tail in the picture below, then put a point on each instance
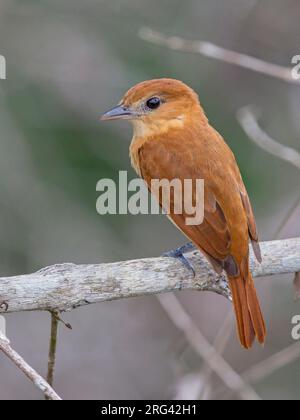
(250, 321)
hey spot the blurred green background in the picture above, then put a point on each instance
(67, 62)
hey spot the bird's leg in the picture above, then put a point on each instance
(178, 253)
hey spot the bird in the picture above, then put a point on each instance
(173, 139)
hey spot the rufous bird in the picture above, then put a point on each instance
(173, 140)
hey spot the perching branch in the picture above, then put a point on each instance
(208, 49)
(63, 287)
(31, 374)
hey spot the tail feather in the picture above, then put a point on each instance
(250, 321)
(255, 312)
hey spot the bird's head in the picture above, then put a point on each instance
(157, 105)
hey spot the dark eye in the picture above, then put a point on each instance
(153, 103)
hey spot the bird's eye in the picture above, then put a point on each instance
(153, 103)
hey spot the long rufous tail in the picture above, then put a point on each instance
(250, 321)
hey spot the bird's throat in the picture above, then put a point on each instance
(149, 128)
(144, 131)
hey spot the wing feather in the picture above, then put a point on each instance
(213, 235)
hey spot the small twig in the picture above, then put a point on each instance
(251, 127)
(59, 319)
(52, 349)
(208, 49)
(184, 323)
(31, 374)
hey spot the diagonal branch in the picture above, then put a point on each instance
(63, 287)
(31, 374)
(208, 49)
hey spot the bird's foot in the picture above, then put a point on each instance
(3, 305)
(178, 253)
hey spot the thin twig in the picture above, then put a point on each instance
(208, 49)
(31, 374)
(184, 323)
(52, 349)
(251, 127)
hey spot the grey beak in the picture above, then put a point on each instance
(119, 112)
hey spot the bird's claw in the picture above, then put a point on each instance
(178, 253)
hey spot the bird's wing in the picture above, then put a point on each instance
(252, 228)
(251, 222)
(161, 160)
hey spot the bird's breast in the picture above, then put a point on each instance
(135, 146)
(149, 132)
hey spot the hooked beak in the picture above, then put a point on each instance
(119, 112)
